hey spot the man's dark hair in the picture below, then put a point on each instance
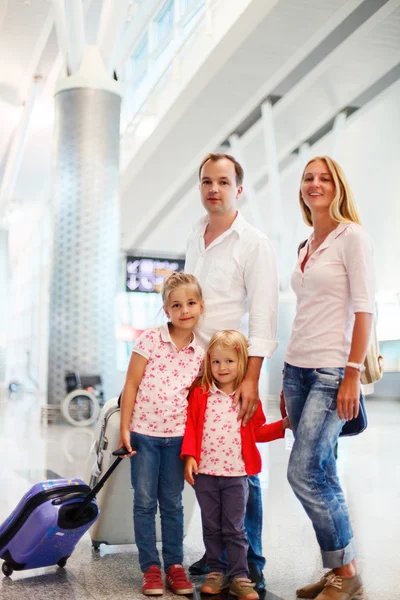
(214, 157)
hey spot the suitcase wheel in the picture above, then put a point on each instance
(7, 569)
(62, 562)
(96, 546)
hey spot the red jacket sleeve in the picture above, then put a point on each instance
(189, 445)
(266, 432)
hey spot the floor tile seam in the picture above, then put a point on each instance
(85, 589)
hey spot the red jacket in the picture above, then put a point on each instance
(256, 430)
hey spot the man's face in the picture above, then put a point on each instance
(218, 187)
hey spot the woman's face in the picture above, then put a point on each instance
(317, 186)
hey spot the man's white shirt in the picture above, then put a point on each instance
(238, 274)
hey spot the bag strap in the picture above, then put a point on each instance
(301, 246)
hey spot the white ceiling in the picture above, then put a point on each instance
(315, 58)
(340, 49)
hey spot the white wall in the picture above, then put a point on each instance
(29, 298)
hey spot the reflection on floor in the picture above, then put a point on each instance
(370, 473)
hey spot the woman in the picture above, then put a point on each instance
(333, 282)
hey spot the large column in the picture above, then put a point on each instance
(86, 227)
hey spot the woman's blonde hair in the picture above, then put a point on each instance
(231, 340)
(174, 281)
(343, 208)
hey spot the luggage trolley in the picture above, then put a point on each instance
(81, 405)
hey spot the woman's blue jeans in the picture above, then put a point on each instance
(157, 478)
(310, 397)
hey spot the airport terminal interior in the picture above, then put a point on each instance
(107, 108)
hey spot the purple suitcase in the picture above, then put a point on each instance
(46, 525)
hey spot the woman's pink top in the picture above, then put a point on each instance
(337, 282)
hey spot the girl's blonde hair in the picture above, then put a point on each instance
(343, 208)
(231, 340)
(174, 281)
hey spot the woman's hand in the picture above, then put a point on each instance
(286, 424)
(125, 440)
(190, 469)
(348, 398)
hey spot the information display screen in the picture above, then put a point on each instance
(144, 274)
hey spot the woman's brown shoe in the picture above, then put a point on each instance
(313, 589)
(342, 588)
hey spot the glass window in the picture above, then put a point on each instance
(188, 5)
(165, 20)
(140, 61)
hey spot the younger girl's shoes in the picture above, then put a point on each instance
(214, 584)
(243, 588)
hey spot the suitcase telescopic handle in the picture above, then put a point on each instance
(120, 453)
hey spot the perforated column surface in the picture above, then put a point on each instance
(86, 238)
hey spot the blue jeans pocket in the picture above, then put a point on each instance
(329, 375)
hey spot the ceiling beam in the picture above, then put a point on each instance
(56, 69)
(336, 57)
(60, 21)
(16, 153)
(75, 27)
(36, 55)
(112, 19)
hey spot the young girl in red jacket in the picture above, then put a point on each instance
(219, 453)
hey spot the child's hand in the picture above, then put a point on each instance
(282, 405)
(190, 469)
(125, 440)
(286, 424)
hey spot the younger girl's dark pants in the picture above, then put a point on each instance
(222, 502)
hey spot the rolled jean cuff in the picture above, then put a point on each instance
(339, 558)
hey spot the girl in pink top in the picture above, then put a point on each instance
(219, 454)
(164, 364)
(333, 282)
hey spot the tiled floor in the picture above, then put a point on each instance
(370, 473)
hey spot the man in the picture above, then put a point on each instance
(236, 267)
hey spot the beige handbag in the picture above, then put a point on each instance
(373, 362)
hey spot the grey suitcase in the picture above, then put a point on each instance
(115, 500)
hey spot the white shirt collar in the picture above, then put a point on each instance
(238, 224)
(332, 236)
